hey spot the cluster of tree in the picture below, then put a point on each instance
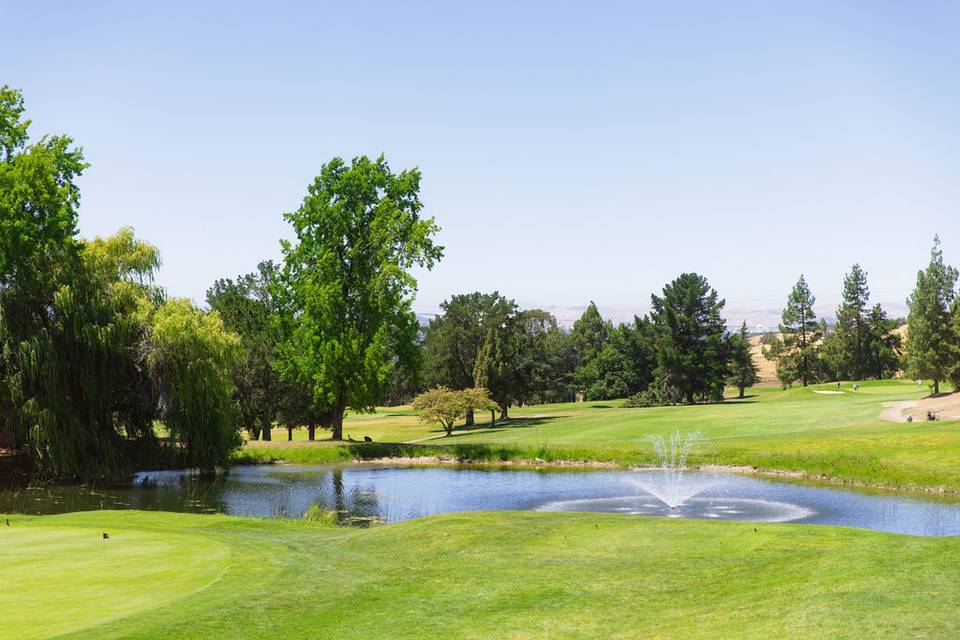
(91, 352)
(862, 344)
(331, 328)
(96, 361)
(681, 352)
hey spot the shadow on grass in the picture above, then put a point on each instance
(509, 423)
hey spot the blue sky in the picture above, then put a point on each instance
(569, 152)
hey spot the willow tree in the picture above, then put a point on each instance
(77, 394)
(191, 356)
(347, 284)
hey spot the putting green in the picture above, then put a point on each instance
(473, 575)
(72, 578)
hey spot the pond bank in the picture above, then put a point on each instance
(482, 456)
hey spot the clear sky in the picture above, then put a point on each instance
(569, 152)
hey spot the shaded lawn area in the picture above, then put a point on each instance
(477, 575)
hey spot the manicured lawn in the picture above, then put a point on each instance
(838, 436)
(479, 575)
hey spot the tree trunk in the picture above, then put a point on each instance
(741, 392)
(289, 434)
(312, 432)
(504, 412)
(936, 387)
(254, 433)
(266, 434)
(338, 419)
(493, 417)
(469, 420)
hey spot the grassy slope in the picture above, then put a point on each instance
(500, 574)
(838, 436)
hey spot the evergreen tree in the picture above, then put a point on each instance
(954, 373)
(691, 345)
(796, 351)
(852, 329)
(590, 335)
(624, 365)
(885, 346)
(931, 340)
(561, 359)
(454, 338)
(743, 370)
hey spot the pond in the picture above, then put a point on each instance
(368, 493)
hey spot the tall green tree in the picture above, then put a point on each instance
(246, 307)
(590, 335)
(796, 352)
(852, 329)
(931, 340)
(884, 351)
(347, 281)
(954, 373)
(743, 370)
(560, 356)
(692, 350)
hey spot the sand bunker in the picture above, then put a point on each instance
(947, 407)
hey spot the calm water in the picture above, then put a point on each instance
(375, 493)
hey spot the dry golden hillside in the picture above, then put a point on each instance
(767, 370)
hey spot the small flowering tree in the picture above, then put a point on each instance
(446, 406)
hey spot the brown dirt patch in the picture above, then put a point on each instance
(766, 369)
(946, 405)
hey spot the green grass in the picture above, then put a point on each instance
(840, 438)
(479, 575)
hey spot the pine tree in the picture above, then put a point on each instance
(743, 370)
(931, 339)
(885, 346)
(691, 345)
(796, 352)
(852, 327)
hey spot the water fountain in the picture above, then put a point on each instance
(669, 483)
(672, 490)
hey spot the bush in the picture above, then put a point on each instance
(645, 398)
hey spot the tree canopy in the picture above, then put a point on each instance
(347, 280)
(691, 346)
